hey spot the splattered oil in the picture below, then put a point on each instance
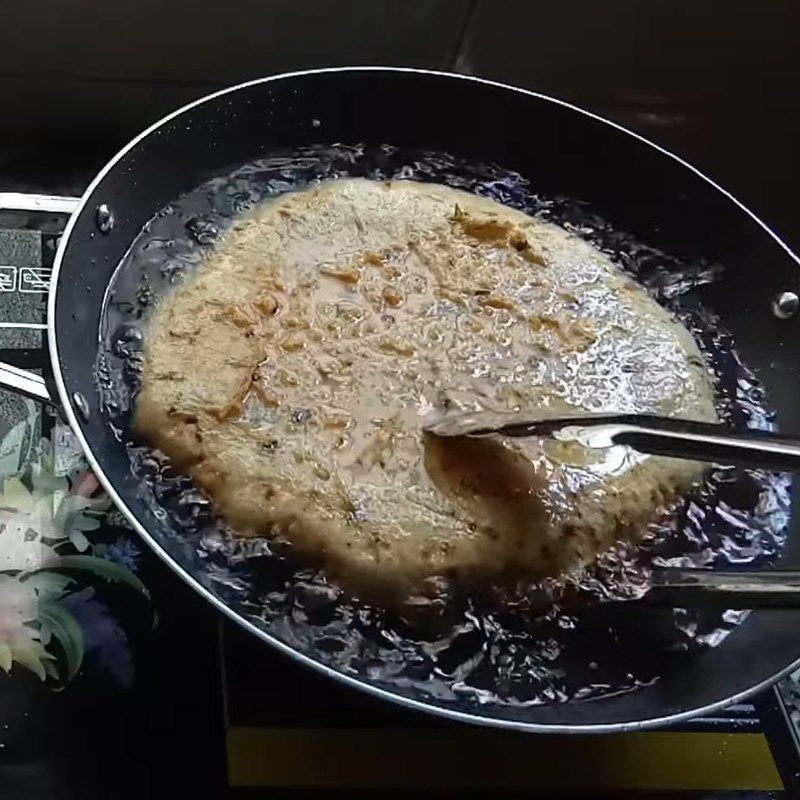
(550, 643)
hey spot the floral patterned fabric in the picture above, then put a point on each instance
(61, 544)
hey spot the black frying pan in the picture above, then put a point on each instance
(563, 151)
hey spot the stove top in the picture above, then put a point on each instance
(140, 686)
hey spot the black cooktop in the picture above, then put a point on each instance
(168, 697)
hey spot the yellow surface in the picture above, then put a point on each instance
(461, 757)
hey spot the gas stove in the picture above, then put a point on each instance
(204, 700)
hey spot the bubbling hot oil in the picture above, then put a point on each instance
(549, 642)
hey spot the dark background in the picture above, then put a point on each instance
(717, 82)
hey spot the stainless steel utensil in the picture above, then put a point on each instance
(665, 436)
(678, 438)
(779, 588)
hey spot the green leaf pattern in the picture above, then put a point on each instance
(48, 517)
(56, 622)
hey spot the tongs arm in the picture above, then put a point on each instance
(665, 436)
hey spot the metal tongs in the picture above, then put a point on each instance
(663, 436)
(677, 438)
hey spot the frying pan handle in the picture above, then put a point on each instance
(24, 383)
(13, 379)
(48, 203)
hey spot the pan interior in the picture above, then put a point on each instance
(462, 651)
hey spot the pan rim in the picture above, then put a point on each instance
(357, 683)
